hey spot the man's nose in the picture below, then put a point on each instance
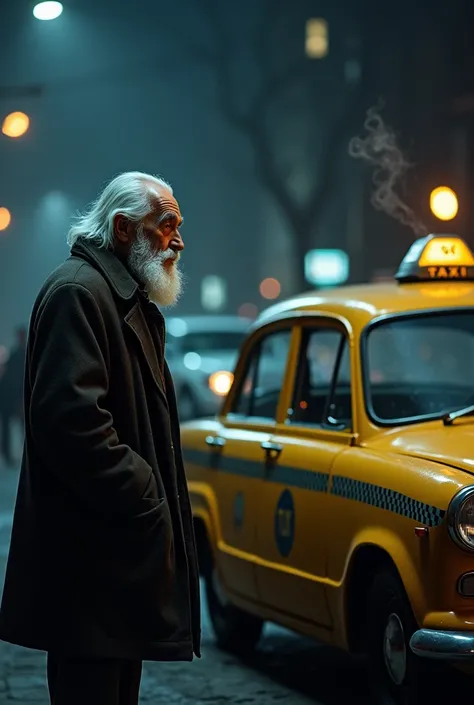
(177, 243)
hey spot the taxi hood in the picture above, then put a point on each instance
(451, 445)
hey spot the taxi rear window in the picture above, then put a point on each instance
(419, 366)
(322, 395)
(260, 388)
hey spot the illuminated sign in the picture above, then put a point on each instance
(213, 293)
(448, 272)
(435, 258)
(326, 267)
(443, 251)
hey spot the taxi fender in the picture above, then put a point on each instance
(388, 541)
(205, 509)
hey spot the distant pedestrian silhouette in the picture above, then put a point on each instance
(11, 394)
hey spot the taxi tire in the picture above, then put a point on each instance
(235, 630)
(387, 596)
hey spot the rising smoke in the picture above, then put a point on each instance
(379, 148)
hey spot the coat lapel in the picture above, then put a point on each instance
(135, 320)
(171, 394)
(175, 424)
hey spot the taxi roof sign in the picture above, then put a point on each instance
(437, 258)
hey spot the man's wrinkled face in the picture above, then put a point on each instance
(154, 254)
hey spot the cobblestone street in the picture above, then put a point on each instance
(285, 668)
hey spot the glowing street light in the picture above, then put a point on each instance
(5, 218)
(15, 124)
(47, 10)
(444, 203)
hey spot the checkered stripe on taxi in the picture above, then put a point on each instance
(313, 481)
(298, 477)
(384, 498)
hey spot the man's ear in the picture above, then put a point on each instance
(121, 228)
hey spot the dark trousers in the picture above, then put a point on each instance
(93, 681)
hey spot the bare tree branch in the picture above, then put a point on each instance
(27, 91)
(271, 8)
(199, 50)
(209, 8)
(275, 85)
(269, 172)
(225, 49)
(252, 121)
(250, 112)
(327, 167)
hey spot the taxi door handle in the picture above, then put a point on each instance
(217, 441)
(272, 449)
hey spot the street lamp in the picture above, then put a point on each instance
(444, 203)
(5, 218)
(15, 124)
(47, 10)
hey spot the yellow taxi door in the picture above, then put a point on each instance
(237, 457)
(294, 532)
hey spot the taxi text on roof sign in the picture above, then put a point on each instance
(437, 258)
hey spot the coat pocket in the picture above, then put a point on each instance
(127, 550)
(137, 594)
(151, 489)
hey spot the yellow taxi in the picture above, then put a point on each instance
(334, 493)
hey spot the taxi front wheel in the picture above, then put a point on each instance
(235, 630)
(397, 676)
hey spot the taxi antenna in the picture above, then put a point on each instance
(379, 148)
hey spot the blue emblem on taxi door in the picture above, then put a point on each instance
(285, 523)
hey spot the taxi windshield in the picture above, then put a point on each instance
(419, 366)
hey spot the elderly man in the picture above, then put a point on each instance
(102, 570)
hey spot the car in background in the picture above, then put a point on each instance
(201, 351)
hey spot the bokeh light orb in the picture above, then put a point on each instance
(5, 218)
(15, 124)
(47, 10)
(270, 288)
(248, 310)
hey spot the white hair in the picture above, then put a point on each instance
(130, 194)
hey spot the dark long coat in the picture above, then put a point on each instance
(103, 558)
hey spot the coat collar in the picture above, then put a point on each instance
(112, 268)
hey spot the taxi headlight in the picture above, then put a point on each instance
(220, 382)
(461, 518)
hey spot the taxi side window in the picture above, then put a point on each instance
(322, 394)
(260, 389)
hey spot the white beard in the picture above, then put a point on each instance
(163, 285)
